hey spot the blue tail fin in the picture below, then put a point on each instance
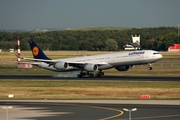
(37, 52)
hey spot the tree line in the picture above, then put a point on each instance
(159, 38)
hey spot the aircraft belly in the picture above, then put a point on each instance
(107, 66)
(151, 60)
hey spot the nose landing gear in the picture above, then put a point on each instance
(150, 66)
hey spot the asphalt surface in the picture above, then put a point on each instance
(62, 110)
(118, 78)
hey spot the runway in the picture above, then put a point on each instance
(115, 78)
(90, 110)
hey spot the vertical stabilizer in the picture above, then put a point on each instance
(37, 52)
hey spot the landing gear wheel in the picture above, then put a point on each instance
(100, 74)
(85, 74)
(91, 75)
(150, 68)
(79, 75)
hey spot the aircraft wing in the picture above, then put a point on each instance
(71, 63)
(32, 63)
(40, 60)
(36, 60)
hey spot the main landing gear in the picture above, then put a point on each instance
(90, 74)
(100, 74)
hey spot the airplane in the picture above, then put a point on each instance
(121, 61)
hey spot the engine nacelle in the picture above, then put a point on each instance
(91, 67)
(61, 65)
(123, 68)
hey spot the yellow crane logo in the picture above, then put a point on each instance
(35, 51)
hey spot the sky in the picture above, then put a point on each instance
(34, 14)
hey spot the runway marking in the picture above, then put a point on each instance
(105, 108)
(112, 109)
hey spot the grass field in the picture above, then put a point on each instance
(88, 90)
(169, 65)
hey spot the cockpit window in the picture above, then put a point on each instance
(155, 53)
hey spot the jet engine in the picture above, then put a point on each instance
(124, 68)
(91, 67)
(61, 65)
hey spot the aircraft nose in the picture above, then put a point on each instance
(160, 56)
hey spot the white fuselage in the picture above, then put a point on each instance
(111, 60)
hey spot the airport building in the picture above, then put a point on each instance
(135, 44)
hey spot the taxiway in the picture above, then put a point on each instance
(90, 109)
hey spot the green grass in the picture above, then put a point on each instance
(113, 90)
(87, 84)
